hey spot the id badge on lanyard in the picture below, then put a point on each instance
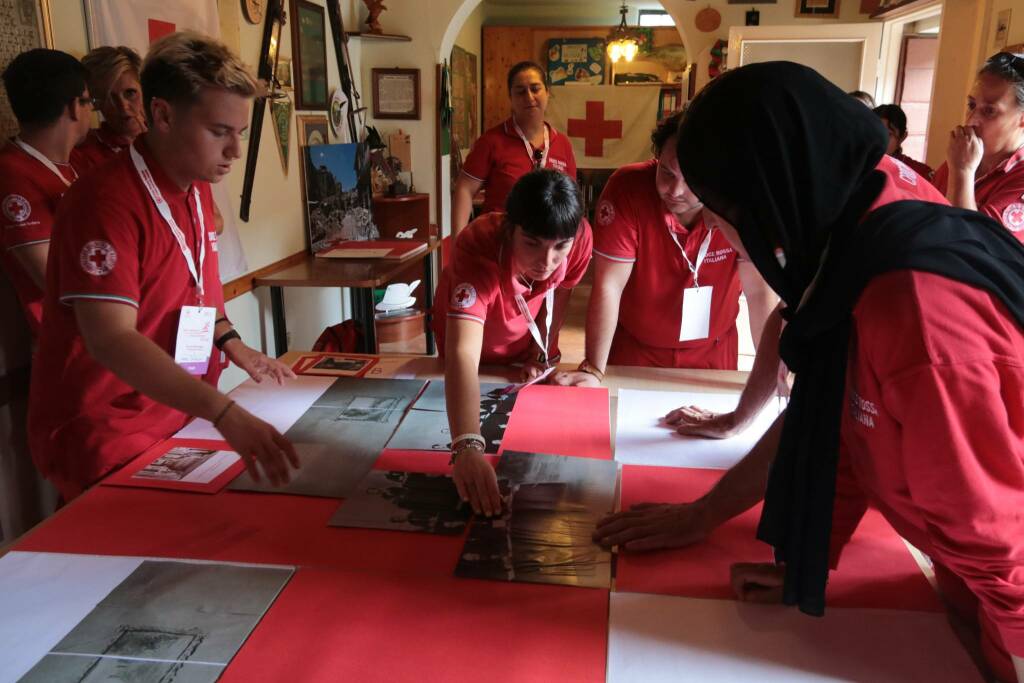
(194, 344)
(695, 322)
(538, 161)
(549, 304)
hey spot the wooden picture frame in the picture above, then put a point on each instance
(817, 9)
(396, 93)
(311, 129)
(309, 52)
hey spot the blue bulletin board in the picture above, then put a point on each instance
(576, 60)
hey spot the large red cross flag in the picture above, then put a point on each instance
(609, 126)
(139, 23)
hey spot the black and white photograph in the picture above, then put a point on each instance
(551, 505)
(405, 501)
(340, 366)
(341, 435)
(425, 428)
(168, 621)
(176, 464)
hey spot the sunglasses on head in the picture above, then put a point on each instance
(1004, 59)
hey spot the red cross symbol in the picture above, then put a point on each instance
(99, 257)
(158, 29)
(461, 296)
(594, 129)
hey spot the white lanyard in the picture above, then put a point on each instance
(165, 212)
(701, 253)
(38, 156)
(529, 147)
(549, 304)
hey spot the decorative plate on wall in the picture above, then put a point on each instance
(254, 10)
(708, 19)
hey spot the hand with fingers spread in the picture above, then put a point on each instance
(258, 365)
(654, 526)
(696, 421)
(258, 443)
(759, 582)
(476, 481)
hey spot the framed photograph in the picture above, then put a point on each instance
(313, 130)
(309, 50)
(283, 73)
(396, 93)
(817, 8)
(339, 366)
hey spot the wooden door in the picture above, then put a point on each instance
(914, 90)
(503, 47)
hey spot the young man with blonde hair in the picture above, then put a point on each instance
(114, 82)
(134, 314)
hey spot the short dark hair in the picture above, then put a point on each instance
(895, 115)
(545, 204)
(864, 97)
(1009, 67)
(665, 129)
(41, 84)
(526, 66)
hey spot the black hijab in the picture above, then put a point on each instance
(788, 159)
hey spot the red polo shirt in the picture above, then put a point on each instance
(999, 193)
(499, 158)
(479, 285)
(111, 244)
(931, 435)
(904, 183)
(101, 144)
(29, 193)
(632, 225)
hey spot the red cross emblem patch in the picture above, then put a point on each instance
(605, 213)
(97, 257)
(464, 295)
(1013, 217)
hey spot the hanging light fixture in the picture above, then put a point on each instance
(623, 42)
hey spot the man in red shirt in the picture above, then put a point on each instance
(666, 285)
(984, 170)
(134, 306)
(48, 93)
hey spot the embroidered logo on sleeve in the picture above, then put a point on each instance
(97, 257)
(605, 212)
(1013, 217)
(16, 208)
(213, 239)
(464, 296)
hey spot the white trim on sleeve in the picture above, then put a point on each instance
(99, 297)
(620, 259)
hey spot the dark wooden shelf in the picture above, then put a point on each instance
(379, 36)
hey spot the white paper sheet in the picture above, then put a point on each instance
(44, 596)
(656, 638)
(643, 438)
(280, 405)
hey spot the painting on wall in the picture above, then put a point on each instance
(309, 49)
(465, 97)
(817, 8)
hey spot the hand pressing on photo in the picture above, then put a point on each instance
(258, 443)
(759, 582)
(697, 421)
(477, 482)
(654, 526)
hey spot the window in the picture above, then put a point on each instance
(656, 17)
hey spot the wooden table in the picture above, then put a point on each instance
(361, 276)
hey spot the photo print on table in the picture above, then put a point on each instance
(339, 366)
(168, 621)
(341, 435)
(177, 464)
(551, 506)
(426, 426)
(405, 501)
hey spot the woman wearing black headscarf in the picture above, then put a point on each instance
(904, 331)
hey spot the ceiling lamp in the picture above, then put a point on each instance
(623, 42)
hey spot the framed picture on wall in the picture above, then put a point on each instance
(313, 129)
(396, 93)
(309, 50)
(817, 8)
